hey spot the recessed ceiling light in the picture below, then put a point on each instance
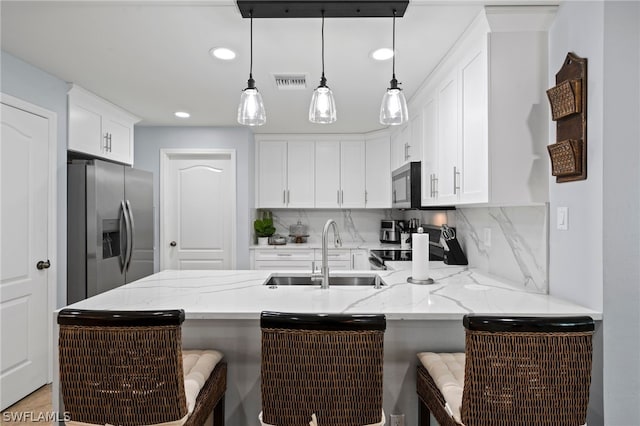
(382, 54)
(223, 53)
(182, 114)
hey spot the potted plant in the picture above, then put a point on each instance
(264, 228)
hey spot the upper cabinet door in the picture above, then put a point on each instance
(300, 174)
(474, 149)
(378, 173)
(272, 174)
(430, 151)
(119, 139)
(327, 161)
(448, 168)
(352, 174)
(85, 127)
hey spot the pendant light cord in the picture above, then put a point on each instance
(393, 71)
(251, 45)
(322, 32)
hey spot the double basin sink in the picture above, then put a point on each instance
(367, 280)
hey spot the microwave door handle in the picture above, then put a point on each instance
(131, 237)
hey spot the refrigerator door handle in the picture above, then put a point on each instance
(122, 220)
(131, 236)
(127, 224)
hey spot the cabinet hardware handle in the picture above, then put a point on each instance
(288, 197)
(394, 195)
(106, 142)
(366, 197)
(431, 185)
(341, 197)
(109, 141)
(283, 254)
(284, 196)
(353, 261)
(338, 191)
(456, 187)
(43, 264)
(435, 185)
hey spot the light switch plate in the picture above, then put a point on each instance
(487, 237)
(562, 223)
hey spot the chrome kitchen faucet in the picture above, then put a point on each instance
(325, 251)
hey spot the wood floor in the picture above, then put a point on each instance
(30, 409)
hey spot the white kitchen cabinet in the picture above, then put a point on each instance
(406, 142)
(448, 141)
(360, 260)
(285, 174)
(377, 173)
(99, 128)
(429, 185)
(489, 114)
(282, 258)
(340, 174)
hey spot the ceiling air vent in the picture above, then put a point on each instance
(291, 81)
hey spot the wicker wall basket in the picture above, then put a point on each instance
(565, 99)
(566, 157)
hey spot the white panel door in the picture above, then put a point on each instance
(198, 194)
(327, 174)
(352, 174)
(272, 174)
(300, 174)
(24, 313)
(378, 173)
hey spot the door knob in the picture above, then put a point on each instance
(43, 265)
(172, 243)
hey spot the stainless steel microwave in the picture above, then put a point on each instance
(405, 186)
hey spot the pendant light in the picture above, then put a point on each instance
(323, 107)
(251, 109)
(393, 110)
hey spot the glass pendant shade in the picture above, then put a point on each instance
(251, 109)
(393, 110)
(323, 107)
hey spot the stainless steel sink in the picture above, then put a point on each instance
(372, 280)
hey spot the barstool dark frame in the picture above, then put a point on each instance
(548, 364)
(125, 368)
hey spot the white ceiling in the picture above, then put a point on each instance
(152, 57)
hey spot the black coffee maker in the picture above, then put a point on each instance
(453, 254)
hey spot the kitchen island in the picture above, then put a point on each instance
(223, 310)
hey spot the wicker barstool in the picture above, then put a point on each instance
(514, 371)
(322, 364)
(127, 368)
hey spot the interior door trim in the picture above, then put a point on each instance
(52, 224)
(168, 154)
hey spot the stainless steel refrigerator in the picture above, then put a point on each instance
(109, 227)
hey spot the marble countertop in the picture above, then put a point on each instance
(241, 295)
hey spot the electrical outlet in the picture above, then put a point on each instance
(487, 237)
(562, 218)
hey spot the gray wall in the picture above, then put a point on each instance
(24, 81)
(150, 140)
(595, 263)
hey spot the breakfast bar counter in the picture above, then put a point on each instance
(223, 310)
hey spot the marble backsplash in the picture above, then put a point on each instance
(355, 226)
(518, 247)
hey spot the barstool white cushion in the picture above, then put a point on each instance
(447, 371)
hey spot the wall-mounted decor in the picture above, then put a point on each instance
(568, 101)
